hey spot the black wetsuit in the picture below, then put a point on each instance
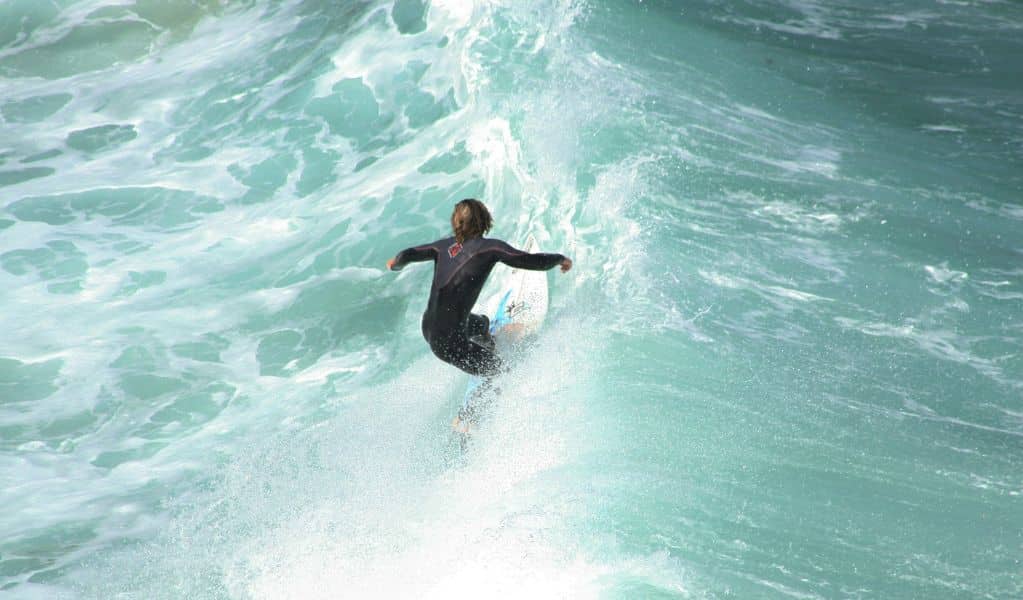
(460, 270)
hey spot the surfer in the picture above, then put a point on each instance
(461, 266)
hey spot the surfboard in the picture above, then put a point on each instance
(517, 311)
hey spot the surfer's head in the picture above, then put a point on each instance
(470, 219)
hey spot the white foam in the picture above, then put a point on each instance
(943, 128)
(797, 215)
(490, 527)
(942, 274)
(732, 282)
(942, 344)
(820, 161)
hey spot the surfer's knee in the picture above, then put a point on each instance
(467, 355)
(440, 349)
(451, 351)
(487, 365)
(478, 325)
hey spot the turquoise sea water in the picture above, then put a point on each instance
(788, 362)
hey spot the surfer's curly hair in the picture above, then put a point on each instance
(470, 219)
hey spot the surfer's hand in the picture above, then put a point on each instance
(390, 264)
(566, 265)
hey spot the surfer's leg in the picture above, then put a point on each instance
(482, 362)
(478, 325)
(478, 359)
(467, 355)
(475, 403)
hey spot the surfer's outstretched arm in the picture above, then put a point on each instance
(541, 261)
(410, 255)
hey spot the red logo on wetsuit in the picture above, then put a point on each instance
(454, 249)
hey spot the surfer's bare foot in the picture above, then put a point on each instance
(566, 265)
(459, 425)
(513, 330)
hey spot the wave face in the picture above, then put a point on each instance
(788, 363)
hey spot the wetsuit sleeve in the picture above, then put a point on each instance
(541, 261)
(414, 254)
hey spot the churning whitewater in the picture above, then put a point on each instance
(788, 361)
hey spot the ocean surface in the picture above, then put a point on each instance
(788, 362)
